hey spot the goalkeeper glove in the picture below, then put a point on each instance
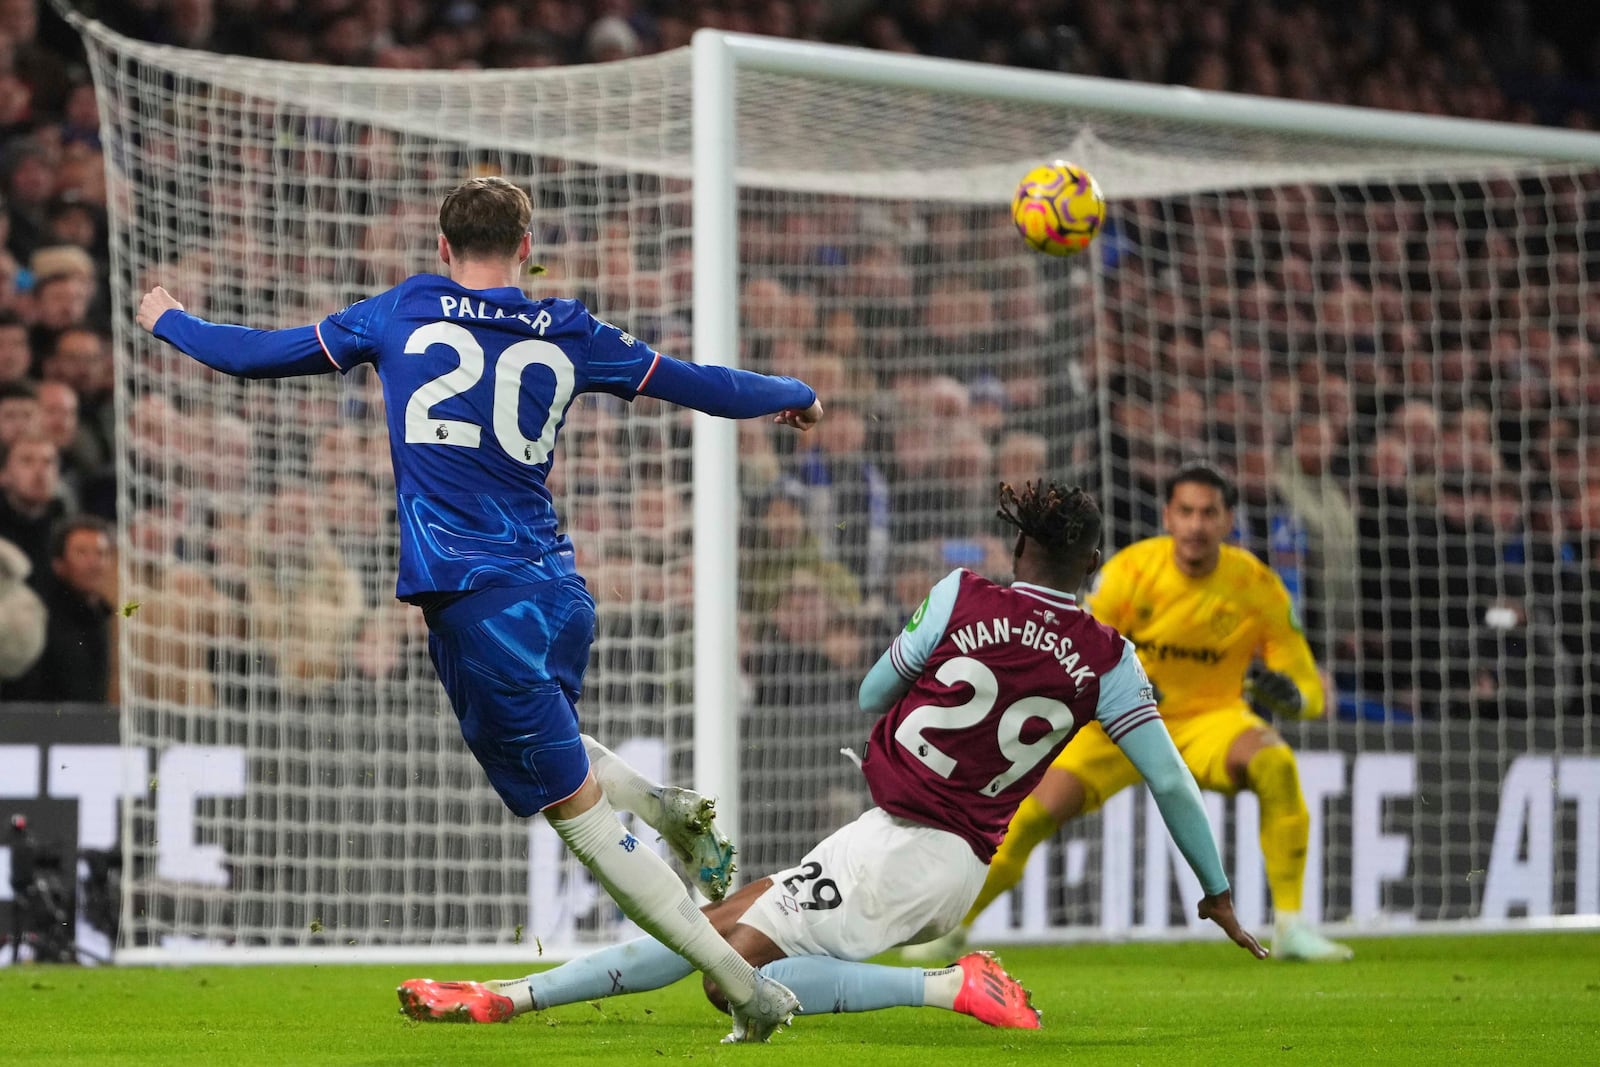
(1275, 694)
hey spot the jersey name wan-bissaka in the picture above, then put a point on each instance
(976, 635)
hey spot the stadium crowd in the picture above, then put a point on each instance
(1424, 471)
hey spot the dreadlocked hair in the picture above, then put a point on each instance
(1065, 522)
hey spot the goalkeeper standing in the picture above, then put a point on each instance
(1201, 612)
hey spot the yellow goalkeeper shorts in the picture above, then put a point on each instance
(1203, 741)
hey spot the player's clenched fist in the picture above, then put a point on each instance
(156, 303)
(801, 418)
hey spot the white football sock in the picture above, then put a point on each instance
(517, 989)
(941, 987)
(623, 786)
(647, 891)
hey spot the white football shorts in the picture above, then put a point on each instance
(872, 884)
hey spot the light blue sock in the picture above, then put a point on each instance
(636, 967)
(824, 984)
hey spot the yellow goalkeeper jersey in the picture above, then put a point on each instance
(1198, 636)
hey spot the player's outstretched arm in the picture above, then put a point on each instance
(733, 394)
(1149, 748)
(235, 350)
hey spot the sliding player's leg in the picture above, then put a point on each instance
(636, 966)
(1087, 773)
(871, 885)
(857, 922)
(685, 819)
(1236, 749)
(513, 669)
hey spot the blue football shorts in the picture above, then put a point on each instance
(512, 661)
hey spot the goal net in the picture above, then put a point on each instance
(1389, 343)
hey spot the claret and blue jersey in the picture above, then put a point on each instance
(477, 384)
(981, 691)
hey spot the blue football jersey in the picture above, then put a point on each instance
(477, 384)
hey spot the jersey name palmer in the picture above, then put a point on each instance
(980, 634)
(467, 308)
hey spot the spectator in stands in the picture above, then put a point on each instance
(20, 412)
(1332, 400)
(759, 467)
(179, 609)
(226, 481)
(781, 542)
(305, 603)
(59, 301)
(1305, 481)
(29, 184)
(791, 666)
(916, 457)
(1558, 457)
(390, 646)
(1466, 555)
(353, 507)
(13, 300)
(958, 320)
(1416, 422)
(661, 517)
(80, 119)
(916, 569)
(1576, 600)
(76, 664)
(16, 358)
(610, 38)
(772, 312)
(842, 335)
(1131, 444)
(987, 399)
(58, 418)
(848, 499)
(1400, 579)
(151, 436)
(22, 617)
(1182, 426)
(1575, 374)
(1039, 387)
(1021, 458)
(30, 499)
(1260, 504)
(73, 222)
(882, 287)
(1467, 444)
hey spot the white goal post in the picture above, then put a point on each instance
(839, 214)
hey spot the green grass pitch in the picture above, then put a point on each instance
(1509, 999)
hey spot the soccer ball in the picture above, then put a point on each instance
(1058, 208)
